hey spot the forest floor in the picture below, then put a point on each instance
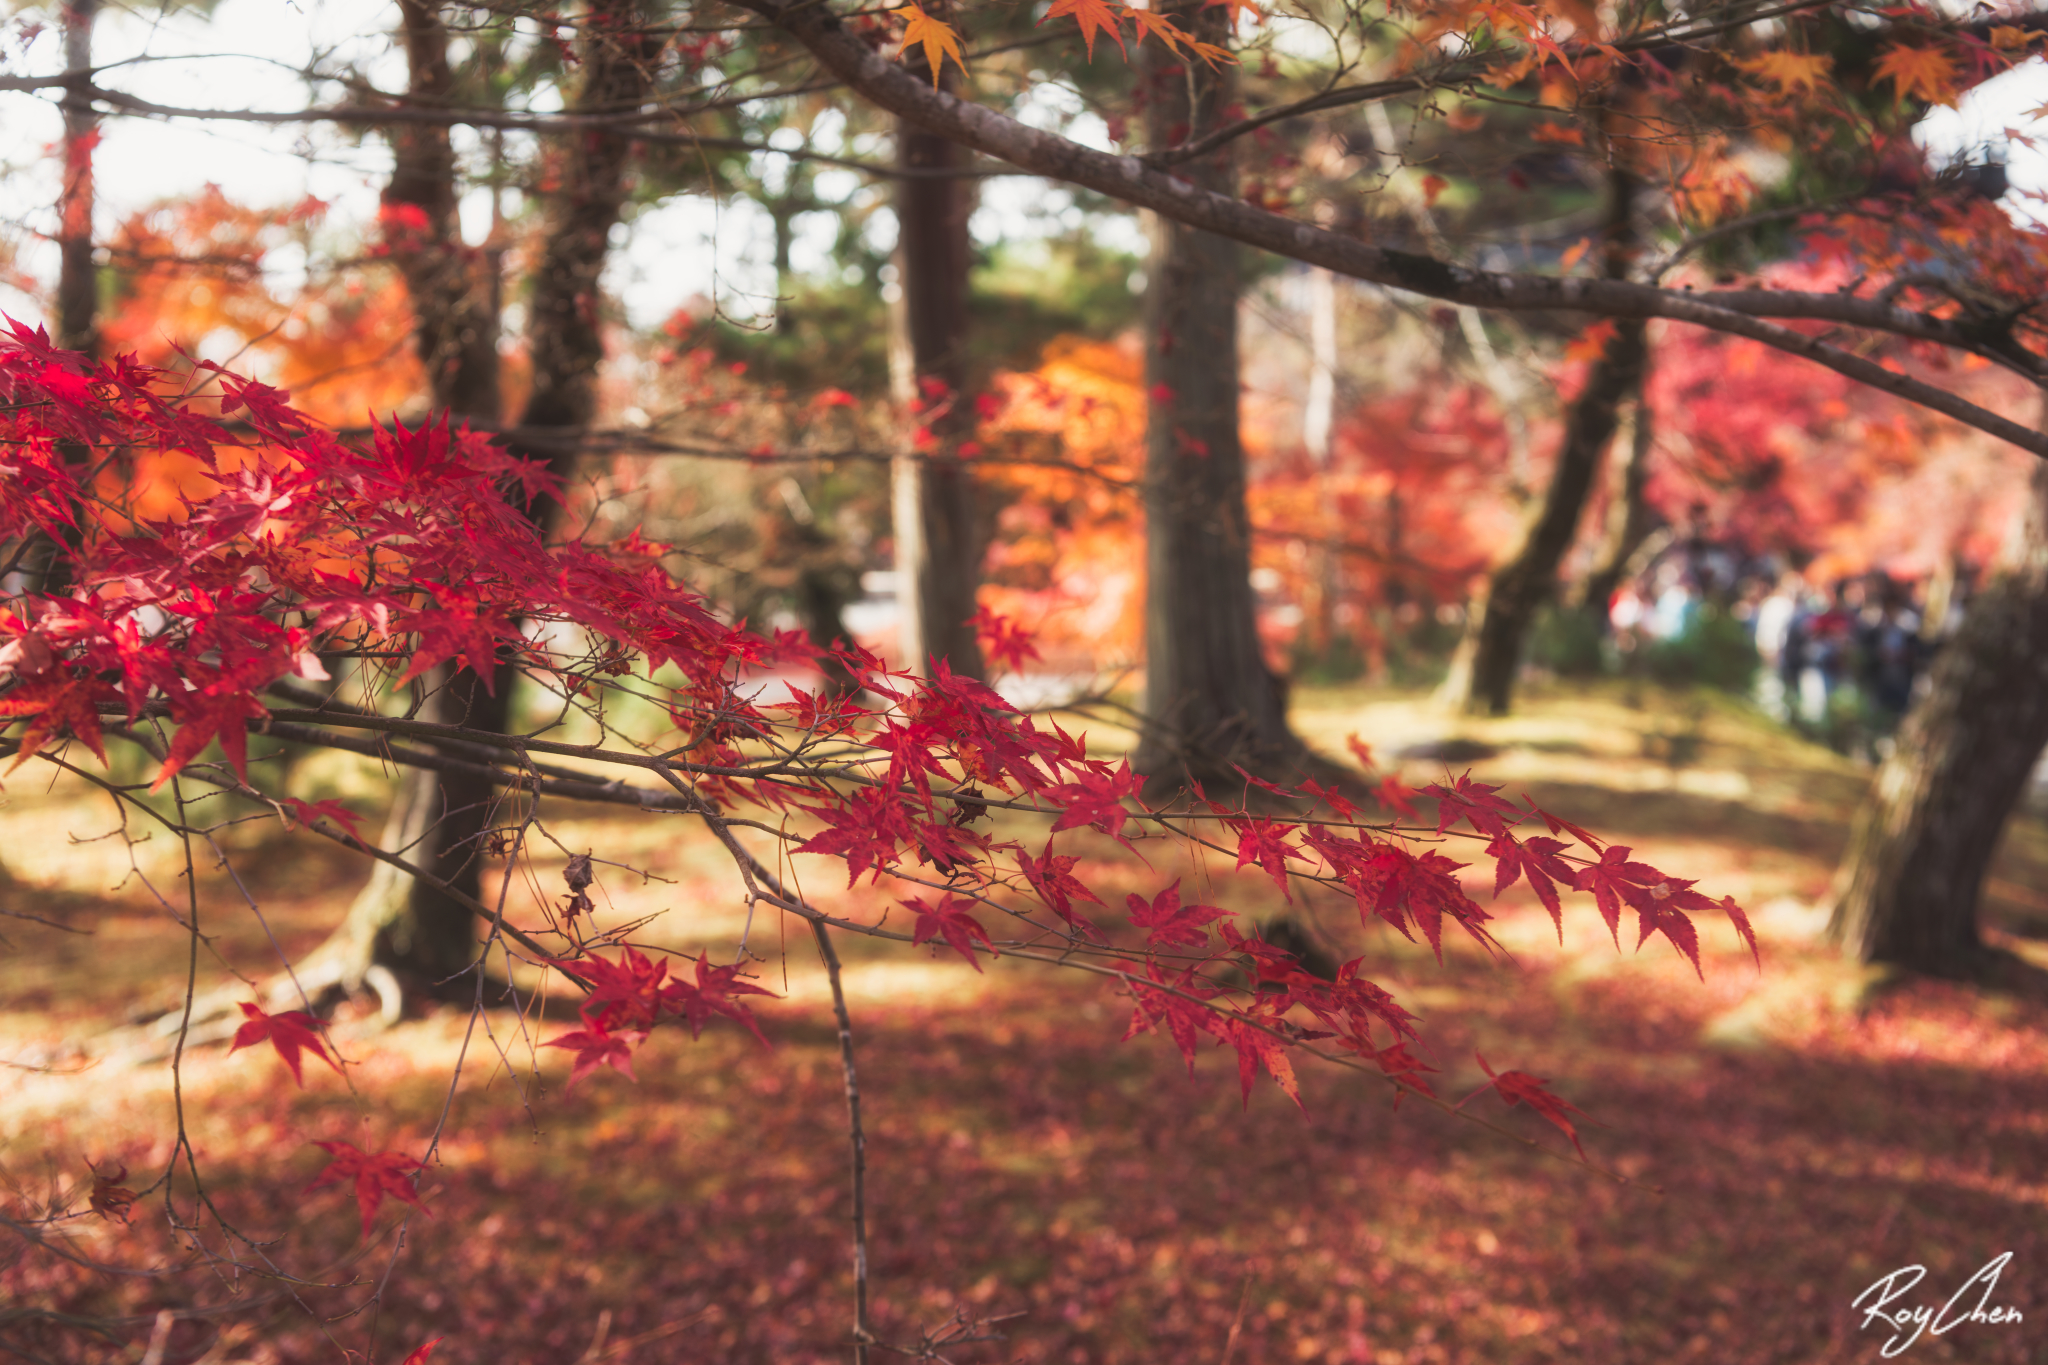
(1768, 1143)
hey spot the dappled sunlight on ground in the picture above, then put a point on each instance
(1781, 1138)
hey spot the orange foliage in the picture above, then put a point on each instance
(1412, 506)
(1068, 561)
(192, 284)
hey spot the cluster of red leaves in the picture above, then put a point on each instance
(412, 551)
(629, 995)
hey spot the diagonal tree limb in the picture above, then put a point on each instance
(1746, 313)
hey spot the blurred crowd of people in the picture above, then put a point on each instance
(1830, 656)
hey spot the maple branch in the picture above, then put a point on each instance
(857, 1137)
(1458, 72)
(325, 829)
(1741, 312)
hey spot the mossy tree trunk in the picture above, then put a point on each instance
(415, 931)
(1908, 890)
(416, 928)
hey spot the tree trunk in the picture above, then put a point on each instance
(619, 50)
(415, 927)
(1484, 681)
(1907, 892)
(418, 932)
(78, 286)
(938, 537)
(1631, 520)
(455, 318)
(1210, 700)
(1318, 416)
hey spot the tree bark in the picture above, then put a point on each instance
(1631, 521)
(78, 286)
(1483, 682)
(938, 536)
(454, 304)
(1210, 700)
(592, 170)
(1907, 892)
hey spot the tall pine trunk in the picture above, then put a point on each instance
(591, 174)
(451, 286)
(78, 289)
(938, 537)
(417, 931)
(1210, 700)
(1907, 892)
(1482, 680)
(414, 928)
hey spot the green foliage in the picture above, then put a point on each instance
(1715, 651)
(1569, 642)
(1025, 294)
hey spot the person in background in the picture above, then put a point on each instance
(1891, 654)
(1675, 603)
(1777, 645)
(1823, 649)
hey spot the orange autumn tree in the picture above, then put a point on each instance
(193, 279)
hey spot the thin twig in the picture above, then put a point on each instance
(858, 1138)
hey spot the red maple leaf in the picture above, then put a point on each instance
(1002, 639)
(714, 993)
(1394, 796)
(1342, 808)
(866, 830)
(55, 700)
(595, 1045)
(1535, 858)
(377, 1176)
(1255, 1048)
(1741, 922)
(1167, 923)
(1519, 1087)
(1097, 801)
(1265, 843)
(1559, 825)
(1261, 783)
(1474, 803)
(1614, 879)
(290, 1033)
(951, 922)
(629, 989)
(1398, 886)
(1051, 876)
(216, 711)
(309, 811)
(420, 1355)
(1185, 1018)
